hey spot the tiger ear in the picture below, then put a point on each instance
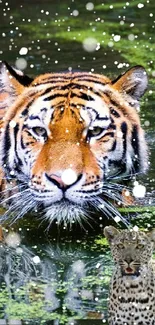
(132, 83)
(12, 83)
(110, 232)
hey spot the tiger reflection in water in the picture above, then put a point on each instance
(49, 282)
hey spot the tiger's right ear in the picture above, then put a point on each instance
(12, 84)
(132, 84)
(110, 232)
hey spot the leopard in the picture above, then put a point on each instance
(132, 288)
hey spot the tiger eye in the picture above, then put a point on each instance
(39, 131)
(95, 131)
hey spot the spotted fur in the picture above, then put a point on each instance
(75, 121)
(132, 289)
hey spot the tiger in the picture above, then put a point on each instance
(67, 140)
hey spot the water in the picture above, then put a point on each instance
(62, 275)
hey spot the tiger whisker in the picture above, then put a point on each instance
(106, 207)
(15, 195)
(18, 202)
(20, 207)
(9, 189)
(125, 177)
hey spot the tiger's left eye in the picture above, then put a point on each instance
(39, 131)
(95, 131)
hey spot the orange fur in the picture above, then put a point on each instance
(69, 108)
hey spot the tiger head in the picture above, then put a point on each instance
(66, 136)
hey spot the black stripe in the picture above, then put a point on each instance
(124, 131)
(135, 140)
(22, 79)
(87, 191)
(56, 95)
(87, 108)
(111, 126)
(114, 112)
(112, 101)
(61, 86)
(22, 144)
(106, 118)
(50, 81)
(135, 145)
(34, 117)
(69, 85)
(44, 109)
(85, 88)
(46, 91)
(60, 77)
(113, 146)
(111, 134)
(7, 144)
(16, 129)
(56, 78)
(121, 164)
(25, 111)
(82, 96)
(89, 79)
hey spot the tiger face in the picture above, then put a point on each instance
(66, 136)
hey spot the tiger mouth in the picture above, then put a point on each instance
(61, 202)
(54, 206)
(65, 211)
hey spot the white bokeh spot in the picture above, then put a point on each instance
(21, 64)
(36, 259)
(135, 228)
(90, 6)
(69, 176)
(90, 44)
(117, 38)
(12, 124)
(23, 51)
(117, 219)
(139, 190)
(13, 239)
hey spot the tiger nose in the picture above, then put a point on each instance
(65, 179)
